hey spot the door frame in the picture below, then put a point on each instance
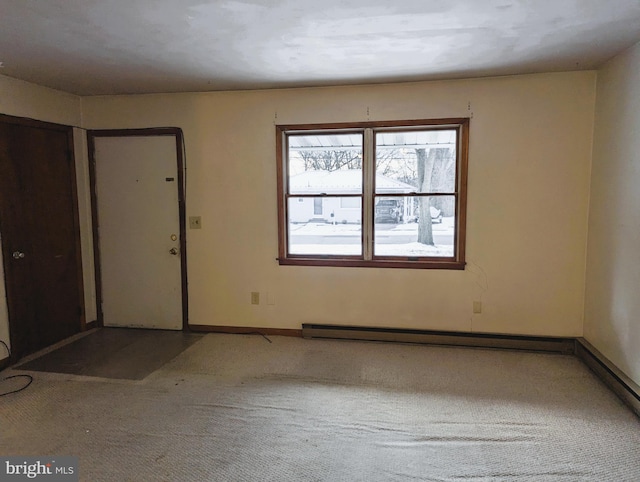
(144, 132)
(82, 322)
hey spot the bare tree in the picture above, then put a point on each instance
(387, 163)
(433, 170)
(334, 160)
(425, 172)
(443, 180)
(331, 160)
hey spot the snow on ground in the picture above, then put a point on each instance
(325, 229)
(386, 235)
(389, 247)
(408, 249)
(413, 249)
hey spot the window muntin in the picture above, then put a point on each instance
(376, 194)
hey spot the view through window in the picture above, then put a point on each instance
(373, 194)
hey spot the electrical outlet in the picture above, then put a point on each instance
(271, 298)
(477, 306)
(195, 222)
(255, 298)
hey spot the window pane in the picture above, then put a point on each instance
(325, 164)
(324, 226)
(418, 233)
(416, 161)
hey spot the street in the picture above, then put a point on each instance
(349, 234)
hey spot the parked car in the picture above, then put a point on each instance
(389, 210)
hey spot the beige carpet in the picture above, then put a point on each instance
(237, 408)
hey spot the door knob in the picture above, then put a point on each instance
(18, 255)
(173, 251)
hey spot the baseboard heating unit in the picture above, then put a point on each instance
(479, 340)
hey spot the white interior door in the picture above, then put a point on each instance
(139, 231)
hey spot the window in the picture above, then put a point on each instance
(373, 194)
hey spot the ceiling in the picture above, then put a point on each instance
(91, 47)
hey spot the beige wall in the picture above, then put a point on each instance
(530, 157)
(22, 99)
(612, 309)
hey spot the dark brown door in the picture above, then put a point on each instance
(40, 235)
